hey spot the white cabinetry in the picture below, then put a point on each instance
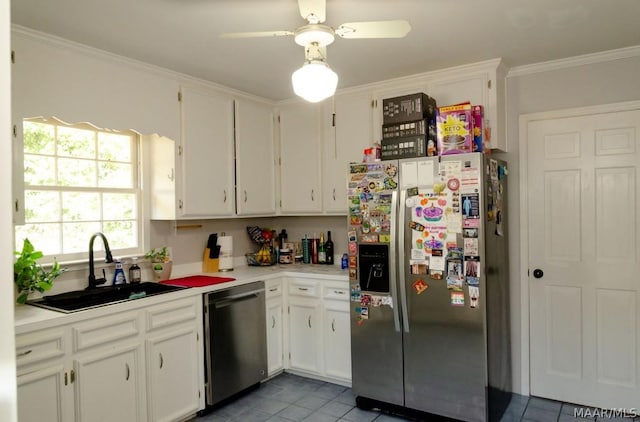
(207, 153)
(480, 83)
(300, 166)
(304, 326)
(336, 331)
(255, 160)
(275, 332)
(138, 365)
(43, 392)
(109, 384)
(319, 329)
(174, 369)
(348, 130)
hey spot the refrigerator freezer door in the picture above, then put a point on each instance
(444, 345)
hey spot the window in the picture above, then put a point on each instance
(79, 180)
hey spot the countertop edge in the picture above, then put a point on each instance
(31, 318)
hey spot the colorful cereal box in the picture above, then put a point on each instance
(454, 129)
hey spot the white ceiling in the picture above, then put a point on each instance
(183, 35)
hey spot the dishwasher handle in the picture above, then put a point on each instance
(228, 300)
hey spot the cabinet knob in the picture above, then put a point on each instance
(538, 273)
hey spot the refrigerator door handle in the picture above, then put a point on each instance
(402, 259)
(392, 260)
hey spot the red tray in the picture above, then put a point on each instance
(197, 281)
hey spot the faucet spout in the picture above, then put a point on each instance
(93, 281)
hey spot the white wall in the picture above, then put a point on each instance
(587, 84)
(7, 344)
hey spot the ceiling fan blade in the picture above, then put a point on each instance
(315, 11)
(255, 34)
(374, 29)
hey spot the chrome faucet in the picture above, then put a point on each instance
(93, 282)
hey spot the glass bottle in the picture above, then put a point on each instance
(135, 274)
(328, 249)
(322, 253)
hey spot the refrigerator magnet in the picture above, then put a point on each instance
(471, 271)
(353, 274)
(364, 312)
(474, 296)
(420, 286)
(418, 267)
(457, 298)
(365, 300)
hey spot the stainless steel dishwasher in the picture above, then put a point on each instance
(235, 340)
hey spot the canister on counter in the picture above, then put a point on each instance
(285, 256)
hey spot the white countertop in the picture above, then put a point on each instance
(31, 318)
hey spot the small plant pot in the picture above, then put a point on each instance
(161, 270)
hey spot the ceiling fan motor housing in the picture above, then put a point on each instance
(322, 35)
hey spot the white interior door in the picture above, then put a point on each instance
(584, 258)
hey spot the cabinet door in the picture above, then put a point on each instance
(300, 158)
(274, 335)
(255, 165)
(207, 154)
(161, 152)
(172, 374)
(348, 130)
(109, 385)
(304, 334)
(41, 395)
(337, 340)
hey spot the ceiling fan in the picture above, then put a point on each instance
(315, 80)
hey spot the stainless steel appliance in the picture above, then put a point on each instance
(235, 340)
(429, 286)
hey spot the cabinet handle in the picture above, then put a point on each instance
(303, 288)
(273, 322)
(338, 292)
(309, 321)
(25, 353)
(161, 361)
(66, 380)
(245, 197)
(333, 325)
(273, 289)
(171, 176)
(73, 376)
(128, 371)
(312, 198)
(225, 196)
(334, 194)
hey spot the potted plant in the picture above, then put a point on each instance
(29, 276)
(160, 263)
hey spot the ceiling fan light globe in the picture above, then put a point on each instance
(314, 81)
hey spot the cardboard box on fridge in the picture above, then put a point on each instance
(454, 129)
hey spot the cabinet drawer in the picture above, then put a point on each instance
(39, 346)
(336, 293)
(303, 288)
(172, 313)
(273, 288)
(105, 330)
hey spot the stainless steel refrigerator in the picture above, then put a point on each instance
(428, 269)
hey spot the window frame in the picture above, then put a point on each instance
(136, 190)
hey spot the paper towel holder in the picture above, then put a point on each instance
(226, 253)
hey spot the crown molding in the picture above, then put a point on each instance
(585, 59)
(86, 50)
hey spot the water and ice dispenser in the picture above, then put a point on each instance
(374, 268)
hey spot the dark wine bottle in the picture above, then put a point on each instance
(328, 249)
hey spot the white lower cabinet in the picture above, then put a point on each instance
(275, 329)
(336, 333)
(140, 365)
(319, 329)
(172, 374)
(109, 385)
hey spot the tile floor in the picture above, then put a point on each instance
(288, 398)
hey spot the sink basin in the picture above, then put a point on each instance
(85, 299)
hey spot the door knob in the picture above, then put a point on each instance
(538, 273)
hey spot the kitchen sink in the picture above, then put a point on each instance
(80, 300)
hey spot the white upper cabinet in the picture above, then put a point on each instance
(206, 149)
(255, 159)
(480, 83)
(300, 162)
(348, 130)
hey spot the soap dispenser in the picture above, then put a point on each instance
(118, 275)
